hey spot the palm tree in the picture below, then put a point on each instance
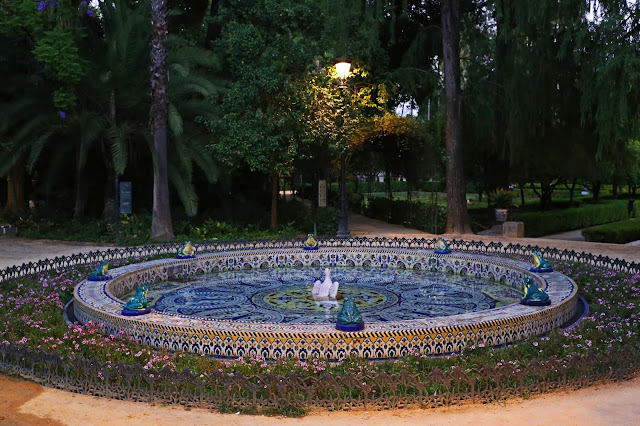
(110, 121)
(191, 89)
(161, 228)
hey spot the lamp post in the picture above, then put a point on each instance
(342, 69)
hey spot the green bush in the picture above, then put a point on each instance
(550, 222)
(301, 217)
(401, 186)
(396, 186)
(135, 229)
(432, 186)
(618, 232)
(417, 215)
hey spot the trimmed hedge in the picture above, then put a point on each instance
(401, 186)
(417, 215)
(551, 222)
(301, 216)
(618, 232)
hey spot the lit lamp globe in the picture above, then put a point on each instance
(342, 69)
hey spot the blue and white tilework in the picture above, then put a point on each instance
(101, 303)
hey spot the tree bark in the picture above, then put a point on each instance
(161, 228)
(457, 215)
(82, 195)
(274, 199)
(596, 191)
(499, 157)
(15, 189)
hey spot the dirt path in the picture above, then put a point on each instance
(26, 403)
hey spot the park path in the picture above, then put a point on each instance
(27, 403)
(362, 226)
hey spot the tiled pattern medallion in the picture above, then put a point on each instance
(101, 303)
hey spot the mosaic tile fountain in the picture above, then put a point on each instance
(230, 304)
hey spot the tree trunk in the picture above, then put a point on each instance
(596, 191)
(82, 195)
(387, 180)
(161, 228)
(521, 186)
(274, 199)
(572, 191)
(15, 189)
(500, 157)
(457, 215)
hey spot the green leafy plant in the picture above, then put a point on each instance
(618, 232)
(550, 222)
(501, 199)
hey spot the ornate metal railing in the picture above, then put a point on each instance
(384, 391)
(496, 248)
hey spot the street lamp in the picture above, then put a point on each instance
(342, 69)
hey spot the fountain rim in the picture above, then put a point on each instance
(104, 302)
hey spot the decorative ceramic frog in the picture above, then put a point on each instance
(533, 295)
(349, 317)
(100, 272)
(310, 243)
(442, 247)
(187, 251)
(137, 305)
(540, 264)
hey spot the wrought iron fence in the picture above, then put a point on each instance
(256, 393)
(383, 391)
(496, 248)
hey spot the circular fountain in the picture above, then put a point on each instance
(262, 302)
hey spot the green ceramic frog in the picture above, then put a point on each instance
(349, 317)
(139, 301)
(100, 272)
(187, 250)
(539, 262)
(533, 295)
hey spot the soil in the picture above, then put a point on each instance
(26, 403)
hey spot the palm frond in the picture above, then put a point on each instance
(179, 70)
(196, 147)
(118, 144)
(37, 146)
(11, 157)
(179, 156)
(91, 127)
(175, 120)
(185, 190)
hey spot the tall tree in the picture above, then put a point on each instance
(161, 228)
(268, 46)
(40, 67)
(457, 215)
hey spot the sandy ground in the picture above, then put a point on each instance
(16, 251)
(26, 403)
(612, 404)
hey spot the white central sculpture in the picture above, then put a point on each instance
(325, 290)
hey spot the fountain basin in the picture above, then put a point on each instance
(101, 303)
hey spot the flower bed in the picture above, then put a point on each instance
(37, 344)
